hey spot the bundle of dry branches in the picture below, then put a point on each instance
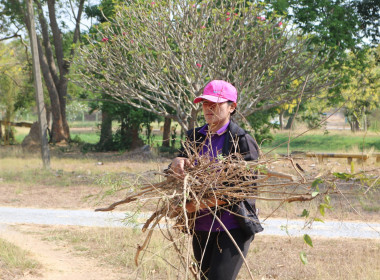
(227, 178)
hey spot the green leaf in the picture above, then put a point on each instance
(322, 210)
(308, 240)
(305, 213)
(319, 220)
(340, 175)
(314, 194)
(326, 205)
(303, 257)
(220, 157)
(317, 182)
(327, 199)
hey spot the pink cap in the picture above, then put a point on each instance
(218, 91)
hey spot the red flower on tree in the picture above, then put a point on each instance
(105, 39)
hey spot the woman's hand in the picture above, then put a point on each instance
(178, 165)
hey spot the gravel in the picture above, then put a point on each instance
(279, 227)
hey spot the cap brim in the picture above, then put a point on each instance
(215, 99)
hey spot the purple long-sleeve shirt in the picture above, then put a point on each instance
(205, 220)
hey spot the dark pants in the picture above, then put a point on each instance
(217, 256)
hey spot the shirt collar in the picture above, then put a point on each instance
(221, 130)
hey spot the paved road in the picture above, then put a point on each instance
(279, 227)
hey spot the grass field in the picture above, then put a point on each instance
(86, 134)
(331, 142)
(91, 138)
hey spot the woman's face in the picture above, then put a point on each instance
(217, 114)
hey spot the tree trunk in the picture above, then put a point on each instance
(281, 117)
(62, 103)
(130, 135)
(193, 121)
(8, 134)
(290, 124)
(173, 136)
(56, 83)
(58, 132)
(355, 126)
(105, 131)
(1, 132)
(8, 131)
(48, 115)
(166, 133)
(63, 66)
(136, 140)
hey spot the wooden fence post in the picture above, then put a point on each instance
(38, 87)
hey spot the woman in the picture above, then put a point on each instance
(216, 254)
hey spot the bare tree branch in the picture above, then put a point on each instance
(10, 37)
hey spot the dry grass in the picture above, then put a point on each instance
(15, 262)
(278, 258)
(15, 160)
(269, 257)
(75, 176)
(72, 179)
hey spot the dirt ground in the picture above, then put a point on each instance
(60, 263)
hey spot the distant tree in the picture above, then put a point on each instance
(339, 28)
(358, 98)
(15, 83)
(157, 56)
(132, 122)
(262, 124)
(7, 94)
(341, 25)
(55, 59)
(369, 19)
(363, 93)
